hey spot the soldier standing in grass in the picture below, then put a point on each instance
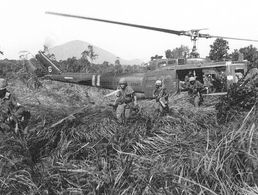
(12, 114)
(161, 96)
(125, 101)
(207, 83)
(195, 91)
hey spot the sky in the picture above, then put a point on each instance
(25, 26)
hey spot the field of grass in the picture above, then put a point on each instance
(75, 146)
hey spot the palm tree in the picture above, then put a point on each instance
(89, 54)
(85, 55)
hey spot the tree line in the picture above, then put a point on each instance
(219, 51)
(86, 64)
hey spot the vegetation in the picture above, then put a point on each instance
(82, 65)
(75, 147)
(250, 53)
(219, 50)
(236, 55)
(89, 55)
(179, 52)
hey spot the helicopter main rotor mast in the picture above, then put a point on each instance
(193, 34)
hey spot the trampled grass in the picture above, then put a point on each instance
(76, 147)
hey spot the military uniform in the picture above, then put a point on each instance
(12, 114)
(161, 96)
(207, 83)
(195, 94)
(124, 103)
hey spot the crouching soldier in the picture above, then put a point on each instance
(13, 115)
(125, 101)
(195, 92)
(161, 96)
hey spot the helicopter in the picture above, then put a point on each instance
(172, 72)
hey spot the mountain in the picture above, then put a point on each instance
(75, 48)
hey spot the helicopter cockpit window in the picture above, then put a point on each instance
(171, 62)
(181, 61)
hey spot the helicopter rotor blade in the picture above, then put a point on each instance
(240, 39)
(198, 29)
(176, 32)
(222, 37)
(121, 23)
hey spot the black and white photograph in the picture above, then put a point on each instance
(129, 97)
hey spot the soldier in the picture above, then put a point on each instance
(207, 83)
(13, 115)
(189, 74)
(161, 96)
(126, 100)
(195, 91)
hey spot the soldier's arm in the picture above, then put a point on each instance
(154, 93)
(200, 87)
(118, 98)
(135, 99)
(165, 93)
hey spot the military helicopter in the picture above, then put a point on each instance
(171, 71)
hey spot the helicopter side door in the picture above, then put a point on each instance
(235, 72)
(168, 78)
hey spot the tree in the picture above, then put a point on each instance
(178, 52)
(92, 54)
(105, 63)
(250, 53)
(168, 54)
(219, 50)
(234, 56)
(117, 62)
(89, 55)
(2, 53)
(85, 55)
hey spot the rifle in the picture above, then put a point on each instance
(112, 93)
(162, 103)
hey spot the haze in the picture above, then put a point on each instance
(25, 26)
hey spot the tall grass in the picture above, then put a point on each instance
(186, 152)
(89, 153)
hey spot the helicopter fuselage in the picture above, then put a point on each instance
(171, 75)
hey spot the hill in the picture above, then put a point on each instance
(75, 48)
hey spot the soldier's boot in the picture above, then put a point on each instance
(120, 114)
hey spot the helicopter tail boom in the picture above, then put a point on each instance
(47, 63)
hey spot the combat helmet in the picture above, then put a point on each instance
(192, 79)
(122, 81)
(3, 83)
(158, 83)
